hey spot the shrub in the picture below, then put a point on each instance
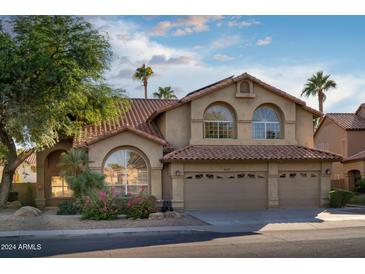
(357, 200)
(339, 197)
(99, 205)
(360, 185)
(122, 204)
(141, 206)
(67, 208)
(85, 182)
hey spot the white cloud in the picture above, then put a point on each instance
(183, 69)
(243, 23)
(223, 57)
(226, 41)
(291, 78)
(185, 25)
(263, 42)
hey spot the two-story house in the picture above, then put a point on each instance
(237, 144)
(344, 134)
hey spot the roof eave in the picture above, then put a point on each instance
(121, 130)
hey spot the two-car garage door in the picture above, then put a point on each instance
(248, 190)
(225, 191)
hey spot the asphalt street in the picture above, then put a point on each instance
(343, 242)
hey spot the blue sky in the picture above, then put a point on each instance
(188, 52)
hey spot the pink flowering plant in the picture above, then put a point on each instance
(99, 205)
(141, 206)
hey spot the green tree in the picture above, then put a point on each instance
(317, 85)
(164, 93)
(143, 73)
(73, 162)
(51, 83)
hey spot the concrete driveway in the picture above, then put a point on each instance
(316, 215)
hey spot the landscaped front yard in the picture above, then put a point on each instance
(50, 221)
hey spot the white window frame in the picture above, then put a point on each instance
(145, 174)
(265, 124)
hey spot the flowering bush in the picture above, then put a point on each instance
(141, 206)
(99, 206)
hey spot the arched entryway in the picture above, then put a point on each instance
(353, 176)
(127, 170)
(56, 187)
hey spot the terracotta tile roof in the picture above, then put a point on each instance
(348, 121)
(32, 159)
(248, 152)
(229, 81)
(133, 119)
(356, 157)
(359, 108)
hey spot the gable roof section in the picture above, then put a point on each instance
(347, 121)
(249, 152)
(362, 106)
(133, 119)
(356, 157)
(229, 81)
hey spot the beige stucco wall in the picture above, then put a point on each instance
(333, 138)
(175, 125)
(304, 127)
(153, 152)
(355, 142)
(295, 132)
(23, 174)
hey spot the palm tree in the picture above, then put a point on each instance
(73, 162)
(143, 74)
(164, 93)
(317, 85)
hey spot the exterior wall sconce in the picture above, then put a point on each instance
(328, 171)
(177, 172)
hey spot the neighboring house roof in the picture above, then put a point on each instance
(356, 157)
(249, 152)
(347, 121)
(229, 81)
(362, 106)
(133, 119)
(32, 159)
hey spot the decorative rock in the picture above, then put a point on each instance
(172, 214)
(156, 216)
(14, 204)
(28, 211)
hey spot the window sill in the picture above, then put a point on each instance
(247, 95)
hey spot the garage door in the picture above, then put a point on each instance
(225, 191)
(299, 189)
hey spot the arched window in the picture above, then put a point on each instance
(266, 124)
(219, 122)
(126, 170)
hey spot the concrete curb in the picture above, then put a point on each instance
(248, 228)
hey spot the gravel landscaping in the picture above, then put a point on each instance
(49, 220)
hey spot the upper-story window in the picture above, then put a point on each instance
(219, 122)
(266, 124)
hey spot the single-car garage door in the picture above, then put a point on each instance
(299, 189)
(225, 191)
